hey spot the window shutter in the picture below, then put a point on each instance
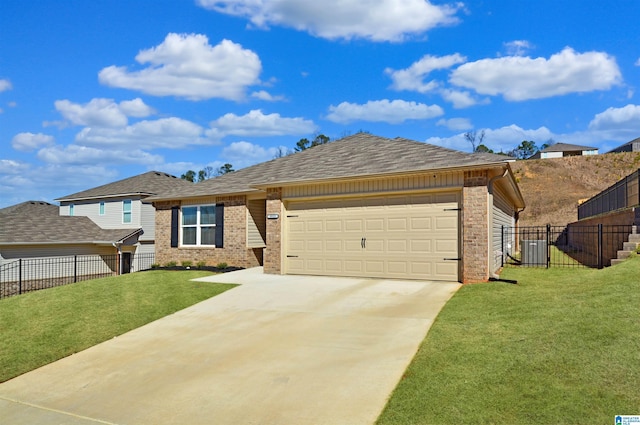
(174, 226)
(219, 225)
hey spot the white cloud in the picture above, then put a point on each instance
(456, 124)
(501, 139)
(28, 142)
(173, 133)
(617, 123)
(257, 124)
(101, 112)
(459, 99)
(412, 78)
(263, 95)
(521, 78)
(5, 85)
(518, 47)
(136, 108)
(393, 112)
(10, 166)
(83, 155)
(375, 20)
(186, 65)
(243, 154)
(637, 62)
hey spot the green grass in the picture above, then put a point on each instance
(44, 326)
(560, 347)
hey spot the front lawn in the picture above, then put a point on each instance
(44, 326)
(560, 347)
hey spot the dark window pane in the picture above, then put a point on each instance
(208, 214)
(189, 215)
(188, 236)
(208, 236)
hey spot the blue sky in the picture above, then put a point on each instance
(96, 91)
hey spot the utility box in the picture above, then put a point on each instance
(534, 253)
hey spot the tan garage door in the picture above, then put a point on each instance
(406, 237)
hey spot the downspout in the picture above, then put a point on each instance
(492, 273)
(118, 247)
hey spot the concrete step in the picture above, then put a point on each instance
(616, 261)
(630, 246)
(634, 238)
(623, 254)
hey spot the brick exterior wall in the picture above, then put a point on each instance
(475, 228)
(235, 252)
(273, 251)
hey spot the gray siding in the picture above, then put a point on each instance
(112, 218)
(503, 215)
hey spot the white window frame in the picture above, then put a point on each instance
(130, 212)
(101, 208)
(198, 226)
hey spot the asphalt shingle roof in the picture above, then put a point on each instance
(566, 147)
(359, 155)
(41, 222)
(150, 183)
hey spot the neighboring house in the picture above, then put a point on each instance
(35, 229)
(560, 150)
(363, 206)
(122, 204)
(632, 146)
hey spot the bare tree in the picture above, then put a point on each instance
(474, 138)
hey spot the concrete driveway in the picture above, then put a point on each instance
(275, 350)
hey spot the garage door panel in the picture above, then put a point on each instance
(333, 226)
(421, 223)
(421, 246)
(399, 223)
(397, 246)
(404, 237)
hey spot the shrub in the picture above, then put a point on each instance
(171, 264)
(155, 265)
(186, 263)
(201, 264)
(222, 265)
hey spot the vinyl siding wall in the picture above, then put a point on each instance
(112, 218)
(503, 215)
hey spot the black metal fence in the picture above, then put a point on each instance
(560, 246)
(623, 194)
(32, 274)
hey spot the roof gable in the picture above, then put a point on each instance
(150, 183)
(359, 155)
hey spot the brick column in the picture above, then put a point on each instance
(475, 227)
(273, 251)
(163, 248)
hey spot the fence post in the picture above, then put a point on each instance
(75, 268)
(502, 246)
(600, 259)
(19, 276)
(548, 244)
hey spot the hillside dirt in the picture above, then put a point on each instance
(553, 188)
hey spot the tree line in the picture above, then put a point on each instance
(209, 172)
(524, 150)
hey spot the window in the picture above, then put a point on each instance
(199, 225)
(71, 208)
(126, 211)
(101, 207)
